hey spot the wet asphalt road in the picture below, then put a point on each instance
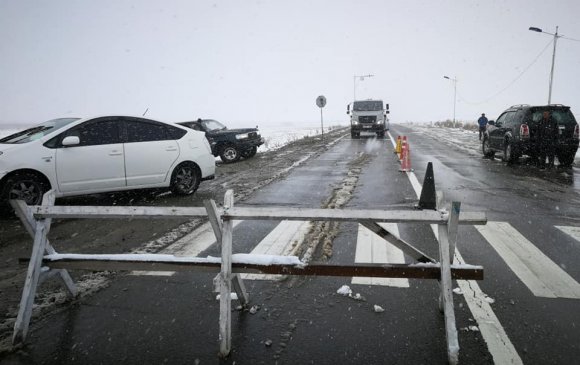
(174, 319)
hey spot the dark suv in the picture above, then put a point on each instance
(229, 144)
(515, 133)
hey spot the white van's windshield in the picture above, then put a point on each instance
(362, 106)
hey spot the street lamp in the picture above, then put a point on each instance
(454, 95)
(362, 77)
(556, 36)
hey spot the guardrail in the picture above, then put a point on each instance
(46, 263)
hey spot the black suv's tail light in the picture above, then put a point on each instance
(576, 132)
(524, 131)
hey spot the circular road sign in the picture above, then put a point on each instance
(321, 101)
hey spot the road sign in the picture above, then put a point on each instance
(321, 101)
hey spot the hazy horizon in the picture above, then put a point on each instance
(262, 62)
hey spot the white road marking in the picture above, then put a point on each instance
(191, 245)
(571, 231)
(283, 240)
(540, 274)
(498, 343)
(373, 249)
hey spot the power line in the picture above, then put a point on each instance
(512, 82)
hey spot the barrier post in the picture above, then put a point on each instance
(225, 325)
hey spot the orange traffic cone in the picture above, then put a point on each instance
(405, 157)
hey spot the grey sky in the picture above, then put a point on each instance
(263, 62)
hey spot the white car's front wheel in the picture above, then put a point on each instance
(25, 186)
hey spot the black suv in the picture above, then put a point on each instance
(229, 144)
(515, 133)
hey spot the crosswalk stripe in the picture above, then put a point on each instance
(540, 274)
(189, 245)
(373, 249)
(283, 240)
(571, 231)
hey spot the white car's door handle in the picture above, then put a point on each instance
(115, 153)
(171, 149)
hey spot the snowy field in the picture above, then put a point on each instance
(275, 136)
(460, 139)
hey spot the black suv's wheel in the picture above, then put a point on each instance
(27, 186)
(566, 159)
(354, 135)
(229, 154)
(250, 153)
(185, 179)
(509, 155)
(381, 134)
(485, 148)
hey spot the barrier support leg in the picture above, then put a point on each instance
(31, 282)
(452, 226)
(28, 221)
(397, 242)
(447, 295)
(225, 324)
(217, 226)
(240, 289)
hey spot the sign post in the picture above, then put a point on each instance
(321, 102)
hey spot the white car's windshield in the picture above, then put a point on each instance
(38, 131)
(213, 125)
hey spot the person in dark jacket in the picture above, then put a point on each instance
(547, 139)
(482, 121)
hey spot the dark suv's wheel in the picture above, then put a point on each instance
(229, 154)
(185, 179)
(485, 148)
(250, 153)
(509, 154)
(26, 186)
(566, 158)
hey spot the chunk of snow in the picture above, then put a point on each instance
(378, 309)
(458, 291)
(233, 296)
(344, 290)
(474, 328)
(488, 299)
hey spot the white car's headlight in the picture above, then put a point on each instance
(242, 136)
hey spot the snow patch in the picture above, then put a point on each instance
(344, 290)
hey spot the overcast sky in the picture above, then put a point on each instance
(265, 62)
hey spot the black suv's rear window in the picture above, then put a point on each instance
(562, 116)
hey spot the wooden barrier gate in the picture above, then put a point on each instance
(46, 263)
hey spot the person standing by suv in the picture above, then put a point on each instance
(548, 139)
(482, 121)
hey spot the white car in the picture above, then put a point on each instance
(77, 156)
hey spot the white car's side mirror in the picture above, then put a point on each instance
(71, 141)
